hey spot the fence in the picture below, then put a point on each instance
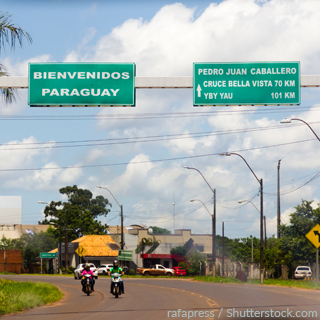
(11, 261)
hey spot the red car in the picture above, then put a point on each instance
(178, 271)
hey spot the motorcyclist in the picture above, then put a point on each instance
(116, 269)
(87, 271)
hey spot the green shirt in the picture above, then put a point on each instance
(115, 270)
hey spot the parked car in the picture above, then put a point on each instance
(302, 272)
(104, 269)
(80, 267)
(125, 270)
(179, 271)
(156, 270)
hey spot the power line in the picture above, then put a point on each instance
(144, 139)
(153, 161)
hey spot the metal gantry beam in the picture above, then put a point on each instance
(151, 82)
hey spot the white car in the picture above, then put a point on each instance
(80, 268)
(302, 272)
(104, 269)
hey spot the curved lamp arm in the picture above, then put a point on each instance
(203, 205)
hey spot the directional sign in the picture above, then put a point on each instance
(81, 84)
(125, 255)
(314, 236)
(48, 255)
(80, 251)
(255, 83)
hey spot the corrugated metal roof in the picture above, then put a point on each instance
(96, 246)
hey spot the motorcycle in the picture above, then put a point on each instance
(87, 284)
(116, 284)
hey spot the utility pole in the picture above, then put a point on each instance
(251, 258)
(265, 232)
(222, 248)
(66, 244)
(214, 234)
(122, 242)
(278, 202)
(174, 214)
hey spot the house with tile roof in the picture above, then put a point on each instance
(97, 249)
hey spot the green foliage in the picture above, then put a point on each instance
(295, 248)
(80, 214)
(7, 244)
(131, 272)
(10, 34)
(32, 244)
(193, 262)
(17, 296)
(70, 270)
(158, 230)
(179, 250)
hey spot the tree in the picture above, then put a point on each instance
(9, 35)
(79, 214)
(194, 261)
(158, 230)
(240, 249)
(31, 244)
(179, 250)
(295, 248)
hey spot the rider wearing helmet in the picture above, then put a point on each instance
(87, 271)
(116, 269)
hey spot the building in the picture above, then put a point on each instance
(96, 249)
(15, 231)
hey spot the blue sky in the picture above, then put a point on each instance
(163, 38)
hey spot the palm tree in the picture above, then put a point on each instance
(10, 34)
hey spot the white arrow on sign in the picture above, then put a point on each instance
(199, 90)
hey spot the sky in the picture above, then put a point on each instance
(139, 153)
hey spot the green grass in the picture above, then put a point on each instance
(18, 296)
(304, 284)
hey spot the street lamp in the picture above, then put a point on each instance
(59, 248)
(261, 209)
(213, 221)
(121, 214)
(286, 120)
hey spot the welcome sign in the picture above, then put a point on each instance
(81, 84)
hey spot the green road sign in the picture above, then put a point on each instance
(125, 255)
(81, 84)
(253, 83)
(48, 255)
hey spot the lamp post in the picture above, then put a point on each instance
(213, 221)
(59, 247)
(286, 120)
(121, 214)
(213, 225)
(261, 210)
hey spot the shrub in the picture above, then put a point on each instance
(131, 272)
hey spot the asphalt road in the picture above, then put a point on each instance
(173, 298)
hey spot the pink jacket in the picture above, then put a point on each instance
(88, 272)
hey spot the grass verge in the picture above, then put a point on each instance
(304, 284)
(18, 296)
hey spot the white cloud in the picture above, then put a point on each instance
(167, 45)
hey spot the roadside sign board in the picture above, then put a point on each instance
(314, 236)
(47, 255)
(81, 84)
(80, 251)
(246, 83)
(125, 255)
